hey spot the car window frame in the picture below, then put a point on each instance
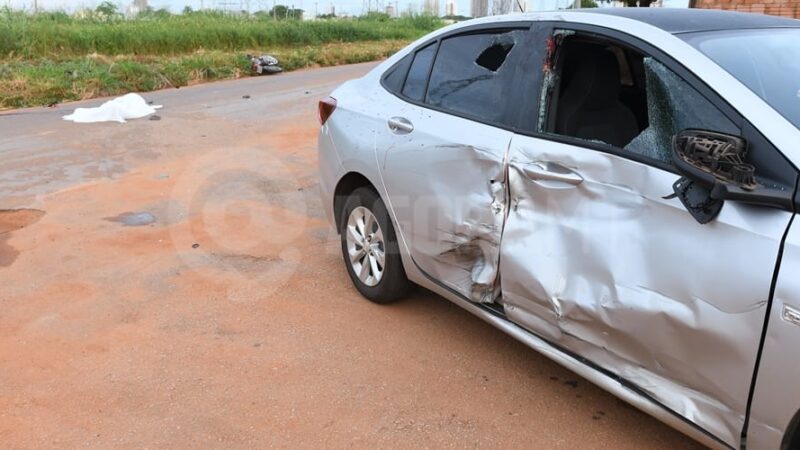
(648, 50)
(413, 57)
(529, 77)
(509, 120)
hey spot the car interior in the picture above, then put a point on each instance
(600, 93)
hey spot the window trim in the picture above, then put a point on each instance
(521, 110)
(430, 70)
(495, 28)
(410, 65)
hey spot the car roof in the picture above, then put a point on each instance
(690, 20)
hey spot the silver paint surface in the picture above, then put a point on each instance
(613, 272)
(447, 192)
(777, 395)
(670, 305)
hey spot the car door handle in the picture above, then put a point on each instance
(551, 172)
(400, 125)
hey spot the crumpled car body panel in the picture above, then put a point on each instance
(452, 221)
(619, 275)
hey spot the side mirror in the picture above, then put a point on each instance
(714, 170)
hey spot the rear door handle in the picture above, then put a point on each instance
(400, 125)
(549, 172)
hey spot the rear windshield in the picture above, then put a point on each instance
(765, 60)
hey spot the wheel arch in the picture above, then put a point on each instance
(791, 439)
(346, 185)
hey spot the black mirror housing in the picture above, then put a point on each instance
(717, 162)
(709, 157)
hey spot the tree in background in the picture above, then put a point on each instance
(107, 9)
(150, 13)
(376, 16)
(282, 12)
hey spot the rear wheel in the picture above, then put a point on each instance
(370, 250)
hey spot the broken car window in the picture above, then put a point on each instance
(589, 105)
(414, 88)
(673, 105)
(590, 92)
(471, 75)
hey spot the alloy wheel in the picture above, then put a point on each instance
(365, 246)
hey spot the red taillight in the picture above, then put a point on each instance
(326, 107)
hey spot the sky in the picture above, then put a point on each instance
(346, 6)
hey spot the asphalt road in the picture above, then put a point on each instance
(173, 283)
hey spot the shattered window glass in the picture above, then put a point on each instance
(414, 87)
(672, 106)
(549, 77)
(601, 92)
(472, 74)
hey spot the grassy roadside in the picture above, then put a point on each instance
(54, 57)
(26, 83)
(57, 35)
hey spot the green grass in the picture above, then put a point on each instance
(44, 81)
(53, 57)
(57, 35)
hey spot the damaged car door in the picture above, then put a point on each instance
(598, 255)
(442, 156)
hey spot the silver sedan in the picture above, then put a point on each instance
(616, 189)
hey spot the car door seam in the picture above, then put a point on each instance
(764, 329)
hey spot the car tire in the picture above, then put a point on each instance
(369, 248)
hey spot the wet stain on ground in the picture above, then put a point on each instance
(15, 219)
(133, 219)
(12, 220)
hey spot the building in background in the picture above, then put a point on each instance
(451, 8)
(136, 8)
(785, 8)
(431, 7)
(391, 10)
(501, 7)
(479, 8)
